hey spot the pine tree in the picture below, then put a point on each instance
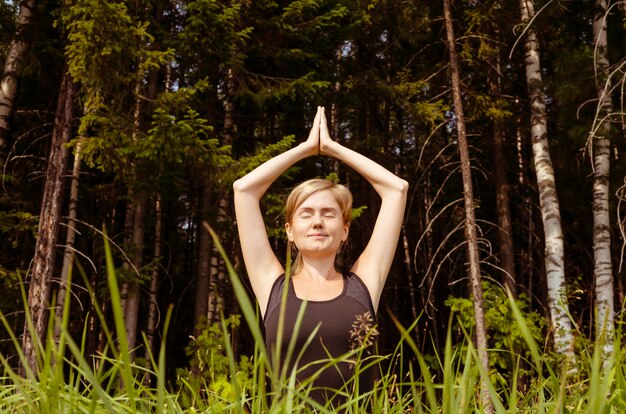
(471, 233)
(49, 222)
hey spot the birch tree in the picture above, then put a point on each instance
(12, 68)
(548, 200)
(471, 232)
(601, 151)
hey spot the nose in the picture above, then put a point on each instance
(317, 221)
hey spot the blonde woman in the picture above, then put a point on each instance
(317, 224)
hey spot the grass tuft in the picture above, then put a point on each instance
(69, 381)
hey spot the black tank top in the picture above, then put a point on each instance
(344, 322)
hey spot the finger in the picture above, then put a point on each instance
(315, 128)
(320, 112)
(318, 115)
(323, 122)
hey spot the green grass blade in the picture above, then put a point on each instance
(428, 380)
(120, 327)
(247, 308)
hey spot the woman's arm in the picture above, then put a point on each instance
(261, 263)
(374, 263)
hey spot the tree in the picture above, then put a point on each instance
(102, 37)
(49, 223)
(70, 238)
(153, 306)
(247, 73)
(19, 47)
(503, 204)
(601, 150)
(213, 43)
(471, 232)
(548, 200)
(138, 201)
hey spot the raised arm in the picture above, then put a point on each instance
(261, 263)
(374, 263)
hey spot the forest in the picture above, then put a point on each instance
(124, 124)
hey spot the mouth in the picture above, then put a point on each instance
(317, 235)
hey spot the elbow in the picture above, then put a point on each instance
(237, 186)
(243, 188)
(239, 189)
(397, 188)
(402, 189)
(240, 186)
(403, 186)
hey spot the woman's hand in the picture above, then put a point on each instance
(313, 141)
(326, 142)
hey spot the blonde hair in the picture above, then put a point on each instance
(304, 190)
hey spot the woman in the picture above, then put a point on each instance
(318, 222)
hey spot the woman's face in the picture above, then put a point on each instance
(317, 227)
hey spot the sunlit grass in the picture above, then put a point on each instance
(69, 381)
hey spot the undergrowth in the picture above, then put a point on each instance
(68, 381)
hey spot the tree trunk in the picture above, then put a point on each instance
(131, 311)
(217, 272)
(548, 200)
(471, 233)
(428, 279)
(154, 284)
(12, 67)
(205, 246)
(334, 116)
(132, 288)
(409, 273)
(503, 205)
(601, 151)
(204, 257)
(45, 248)
(68, 256)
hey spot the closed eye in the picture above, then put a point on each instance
(305, 214)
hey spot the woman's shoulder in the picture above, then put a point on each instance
(280, 279)
(275, 294)
(356, 288)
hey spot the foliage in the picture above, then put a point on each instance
(209, 362)
(103, 38)
(413, 95)
(67, 380)
(15, 225)
(215, 28)
(503, 335)
(159, 80)
(178, 137)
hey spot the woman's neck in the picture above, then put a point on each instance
(321, 270)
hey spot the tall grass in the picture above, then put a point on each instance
(68, 381)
